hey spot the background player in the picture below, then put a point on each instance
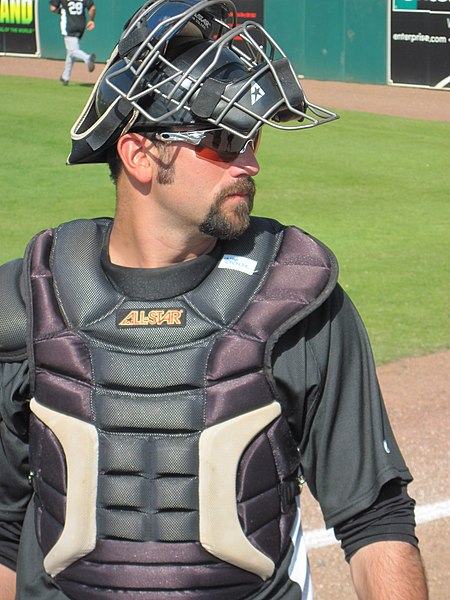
(73, 25)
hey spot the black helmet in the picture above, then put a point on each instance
(177, 63)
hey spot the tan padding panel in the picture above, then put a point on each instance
(79, 441)
(221, 448)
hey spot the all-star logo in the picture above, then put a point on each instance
(157, 317)
(202, 22)
(256, 93)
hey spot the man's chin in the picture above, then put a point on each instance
(229, 216)
(226, 228)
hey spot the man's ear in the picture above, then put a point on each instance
(133, 151)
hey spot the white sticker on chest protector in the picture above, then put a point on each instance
(238, 263)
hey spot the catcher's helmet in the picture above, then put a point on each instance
(177, 63)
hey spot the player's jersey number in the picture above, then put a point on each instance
(75, 7)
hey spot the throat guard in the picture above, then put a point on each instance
(162, 462)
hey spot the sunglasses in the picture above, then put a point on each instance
(217, 145)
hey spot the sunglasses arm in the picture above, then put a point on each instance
(189, 137)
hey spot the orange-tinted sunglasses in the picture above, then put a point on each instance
(217, 145)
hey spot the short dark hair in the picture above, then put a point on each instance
(115, 163)
(165, 173)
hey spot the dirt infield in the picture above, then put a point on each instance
(417, 398)
(415, 390)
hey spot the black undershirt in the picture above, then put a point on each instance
(161, 283)
(390, 518)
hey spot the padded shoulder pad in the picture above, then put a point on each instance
(13, 317)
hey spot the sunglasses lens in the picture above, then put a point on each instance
(256, 142)
(223, 146)
(214, 155)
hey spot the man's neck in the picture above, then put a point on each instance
(138, 245)
(153, 284)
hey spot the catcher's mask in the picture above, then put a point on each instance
(178, 63)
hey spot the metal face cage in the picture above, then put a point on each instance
(185, 62)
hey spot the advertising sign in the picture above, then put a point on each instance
(252, 10)
(249, 10)
(420, 43)
(18, 27)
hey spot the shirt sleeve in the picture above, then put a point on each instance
(389, 518)
(326, 374)
(15, 489)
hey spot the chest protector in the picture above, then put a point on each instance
(162, 464)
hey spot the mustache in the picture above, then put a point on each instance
(245, 186)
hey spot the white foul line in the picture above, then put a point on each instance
(318, 538)
(432, 512)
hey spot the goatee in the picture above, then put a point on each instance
(225, 226)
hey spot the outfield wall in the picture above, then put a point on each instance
(341, 40)
(337, 40)
(334, 40)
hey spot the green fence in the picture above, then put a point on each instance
(342, 40)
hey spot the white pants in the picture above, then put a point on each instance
(73, 52)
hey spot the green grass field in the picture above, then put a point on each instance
(375, 189)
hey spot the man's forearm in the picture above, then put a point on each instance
(388, 571)
(7, 583)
